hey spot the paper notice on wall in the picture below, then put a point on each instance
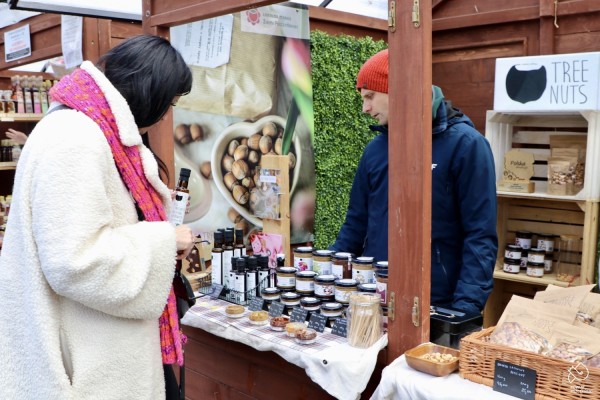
(278, 21)
(204, 43)
(71, 31)
(17, 44)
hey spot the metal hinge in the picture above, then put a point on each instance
(392, 306)
(416, 14)
(392, 16)
(416, 312)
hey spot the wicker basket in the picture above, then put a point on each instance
(477, 363)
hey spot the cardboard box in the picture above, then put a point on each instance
(558, 82)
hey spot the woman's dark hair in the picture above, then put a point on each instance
(149, 73)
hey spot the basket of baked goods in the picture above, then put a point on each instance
(552, 340)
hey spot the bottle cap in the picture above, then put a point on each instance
(184, 173)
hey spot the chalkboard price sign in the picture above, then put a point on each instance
(215, 291)
(256, 304)
(514, 380)
(276, 309)
(340, 327)
(298, 315)
(317, 322)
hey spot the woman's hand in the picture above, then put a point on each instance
(185, 241)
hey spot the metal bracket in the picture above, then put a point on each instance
(392, 16)
(392, 306)
(416, 14)
(416, 312)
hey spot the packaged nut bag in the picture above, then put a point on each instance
(530, 323)
(589, 310)
(571, 146)
(573, 343)
(560, 175)
(571, 297)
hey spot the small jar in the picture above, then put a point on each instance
(511, 266)
(344, 288)
(523, 239)
(536, 255)
(305, 282)
(546, 242)
(322, 262)
(367, 288)
(512, 251)
(381, 278)
(303, 258)
(524, 259)
(332, 311)
(535, 270)
(379, 265)
(269, 294)
(290, 300)
(325, 287)
(362, 270)
(310, 304)
(549, 263)
(341, 266)
(286, 278)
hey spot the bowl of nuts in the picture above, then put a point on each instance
(433, 359)
(236, 160)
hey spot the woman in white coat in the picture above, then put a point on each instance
(86, 304)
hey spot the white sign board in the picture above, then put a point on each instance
(17, 44)
(558, 82)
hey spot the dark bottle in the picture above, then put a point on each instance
(252, 275)
(240, 279)
(227, 255)
(264, 272)
(182, 195)
(239, 249)
(217, 259)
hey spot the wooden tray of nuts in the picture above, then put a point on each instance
(433, 359)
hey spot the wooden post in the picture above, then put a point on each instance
(280, 226)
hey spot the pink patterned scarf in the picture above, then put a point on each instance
(79, 91)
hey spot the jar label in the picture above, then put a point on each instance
(285, 281)
(382, 291)
(337, 270)
(546, 244)
(536, 272)
(343, 296)
(303, 263)
(523, 243)
(513, 269)
(305, 285)
(323, 290)
(536, 258)
(322, 267)
(548, 265)
(363, 275)
(512, 254)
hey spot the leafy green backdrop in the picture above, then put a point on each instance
(341, 129)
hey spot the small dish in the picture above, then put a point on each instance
(293, 327)
(306, 336)
(414, 358)
(278, 323)
(237, 313)
(258, 317)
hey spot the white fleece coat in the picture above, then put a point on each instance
(82, 282)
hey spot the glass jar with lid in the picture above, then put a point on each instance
(322, 262)
(305, 282)
(332, 311)
(286, 278)
(310, 304)
(344, 288)
(341, 266)
(303, 260)
(290, 300)
(325, 287)
(362, 270)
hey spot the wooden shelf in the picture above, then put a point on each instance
(16, 117)
(8, 166)
(546, 280)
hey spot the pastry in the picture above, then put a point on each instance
(234, 309)
(258, 316)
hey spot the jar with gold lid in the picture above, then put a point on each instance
(322, 262)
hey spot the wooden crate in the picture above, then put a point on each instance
(531, 133)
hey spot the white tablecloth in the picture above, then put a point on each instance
(341, 370)
(401, 382)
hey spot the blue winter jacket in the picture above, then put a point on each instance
(365, 230)
(463, 219)
(464, 241)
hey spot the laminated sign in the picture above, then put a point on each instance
(559, 82)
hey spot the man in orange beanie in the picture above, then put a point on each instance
(463, 230)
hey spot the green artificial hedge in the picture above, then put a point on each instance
(341, 129)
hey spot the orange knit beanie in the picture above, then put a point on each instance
(373, 75)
